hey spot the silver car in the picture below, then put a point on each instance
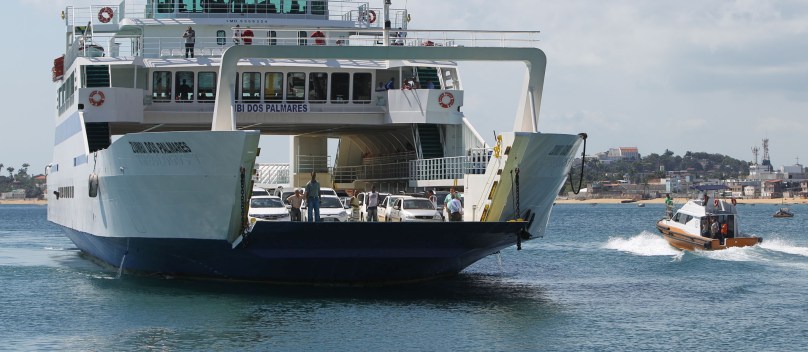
(414, 209)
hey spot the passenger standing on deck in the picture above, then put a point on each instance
(312, 195)
(668, 205)
(295, 200)
(237, 35)
(713, 228)
(455, 208)
(432, 198)
(373, 203)
(190, 40)
(449, 197)
(355, 207)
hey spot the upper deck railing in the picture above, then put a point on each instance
(358, 12)
(165, 47)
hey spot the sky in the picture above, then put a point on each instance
(712, 76)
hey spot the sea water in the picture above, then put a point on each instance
(602, 279)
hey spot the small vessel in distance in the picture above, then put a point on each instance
(689, 227)
(784, 212)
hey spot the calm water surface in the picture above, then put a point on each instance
(601, 280)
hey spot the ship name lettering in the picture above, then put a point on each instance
(272, 108)
(159, 147)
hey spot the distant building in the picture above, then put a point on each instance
(616, 154)
(15, 194)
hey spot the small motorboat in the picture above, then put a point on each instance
(705, 225)
(783, 213)
(641, 205)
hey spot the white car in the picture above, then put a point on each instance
(258, 191)
(414, 209)
(385, 207)
(363, 205)
(331, 209)
(268, 208)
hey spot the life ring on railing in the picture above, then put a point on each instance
(715, 202)
(371, 16)
(96, 98)
(446, 100)
(734, 202)
(105, 14)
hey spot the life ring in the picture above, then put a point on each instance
(446, 100)
(105, 14)
(734, 202)
(96, 98)
(715, 202)
(372, 15)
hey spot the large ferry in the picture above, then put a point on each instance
(161, 105)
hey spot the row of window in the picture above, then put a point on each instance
(314, 7)
(65, 192)
(313, 87)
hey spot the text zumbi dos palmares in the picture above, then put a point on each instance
(159, 147)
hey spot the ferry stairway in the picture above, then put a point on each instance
(426, 75)
(431, 146)
(97, 76)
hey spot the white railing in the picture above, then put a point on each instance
(312, 163)
(273, 173)
(474, 163)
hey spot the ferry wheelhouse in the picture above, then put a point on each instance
(157, 136)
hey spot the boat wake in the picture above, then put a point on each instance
(645, 244)
(784, 246)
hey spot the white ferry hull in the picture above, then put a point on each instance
(158, 185)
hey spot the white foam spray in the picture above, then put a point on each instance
(644, 244)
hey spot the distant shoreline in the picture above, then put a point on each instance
(24, 201)
(787, 201)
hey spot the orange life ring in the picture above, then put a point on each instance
(372, 15)
(446, 100)
(105, 14)
(734, 202)
(96, 98)
(715, 202)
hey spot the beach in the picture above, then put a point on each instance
(24, 201)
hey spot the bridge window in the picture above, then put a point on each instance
(213, 6)
(294, 7)
(161, 86)
(340, 83)
(296, 82)
(318, 7)
(251, 86)
(165, 6)
(318, 87)
(362, 86)
(273, 86)
(264, 6)
(190, 6)
(184, 86)
(206, 89)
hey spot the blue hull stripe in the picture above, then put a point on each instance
(327, 253)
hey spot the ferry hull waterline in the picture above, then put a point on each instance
(326, 253)
(155, 154)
